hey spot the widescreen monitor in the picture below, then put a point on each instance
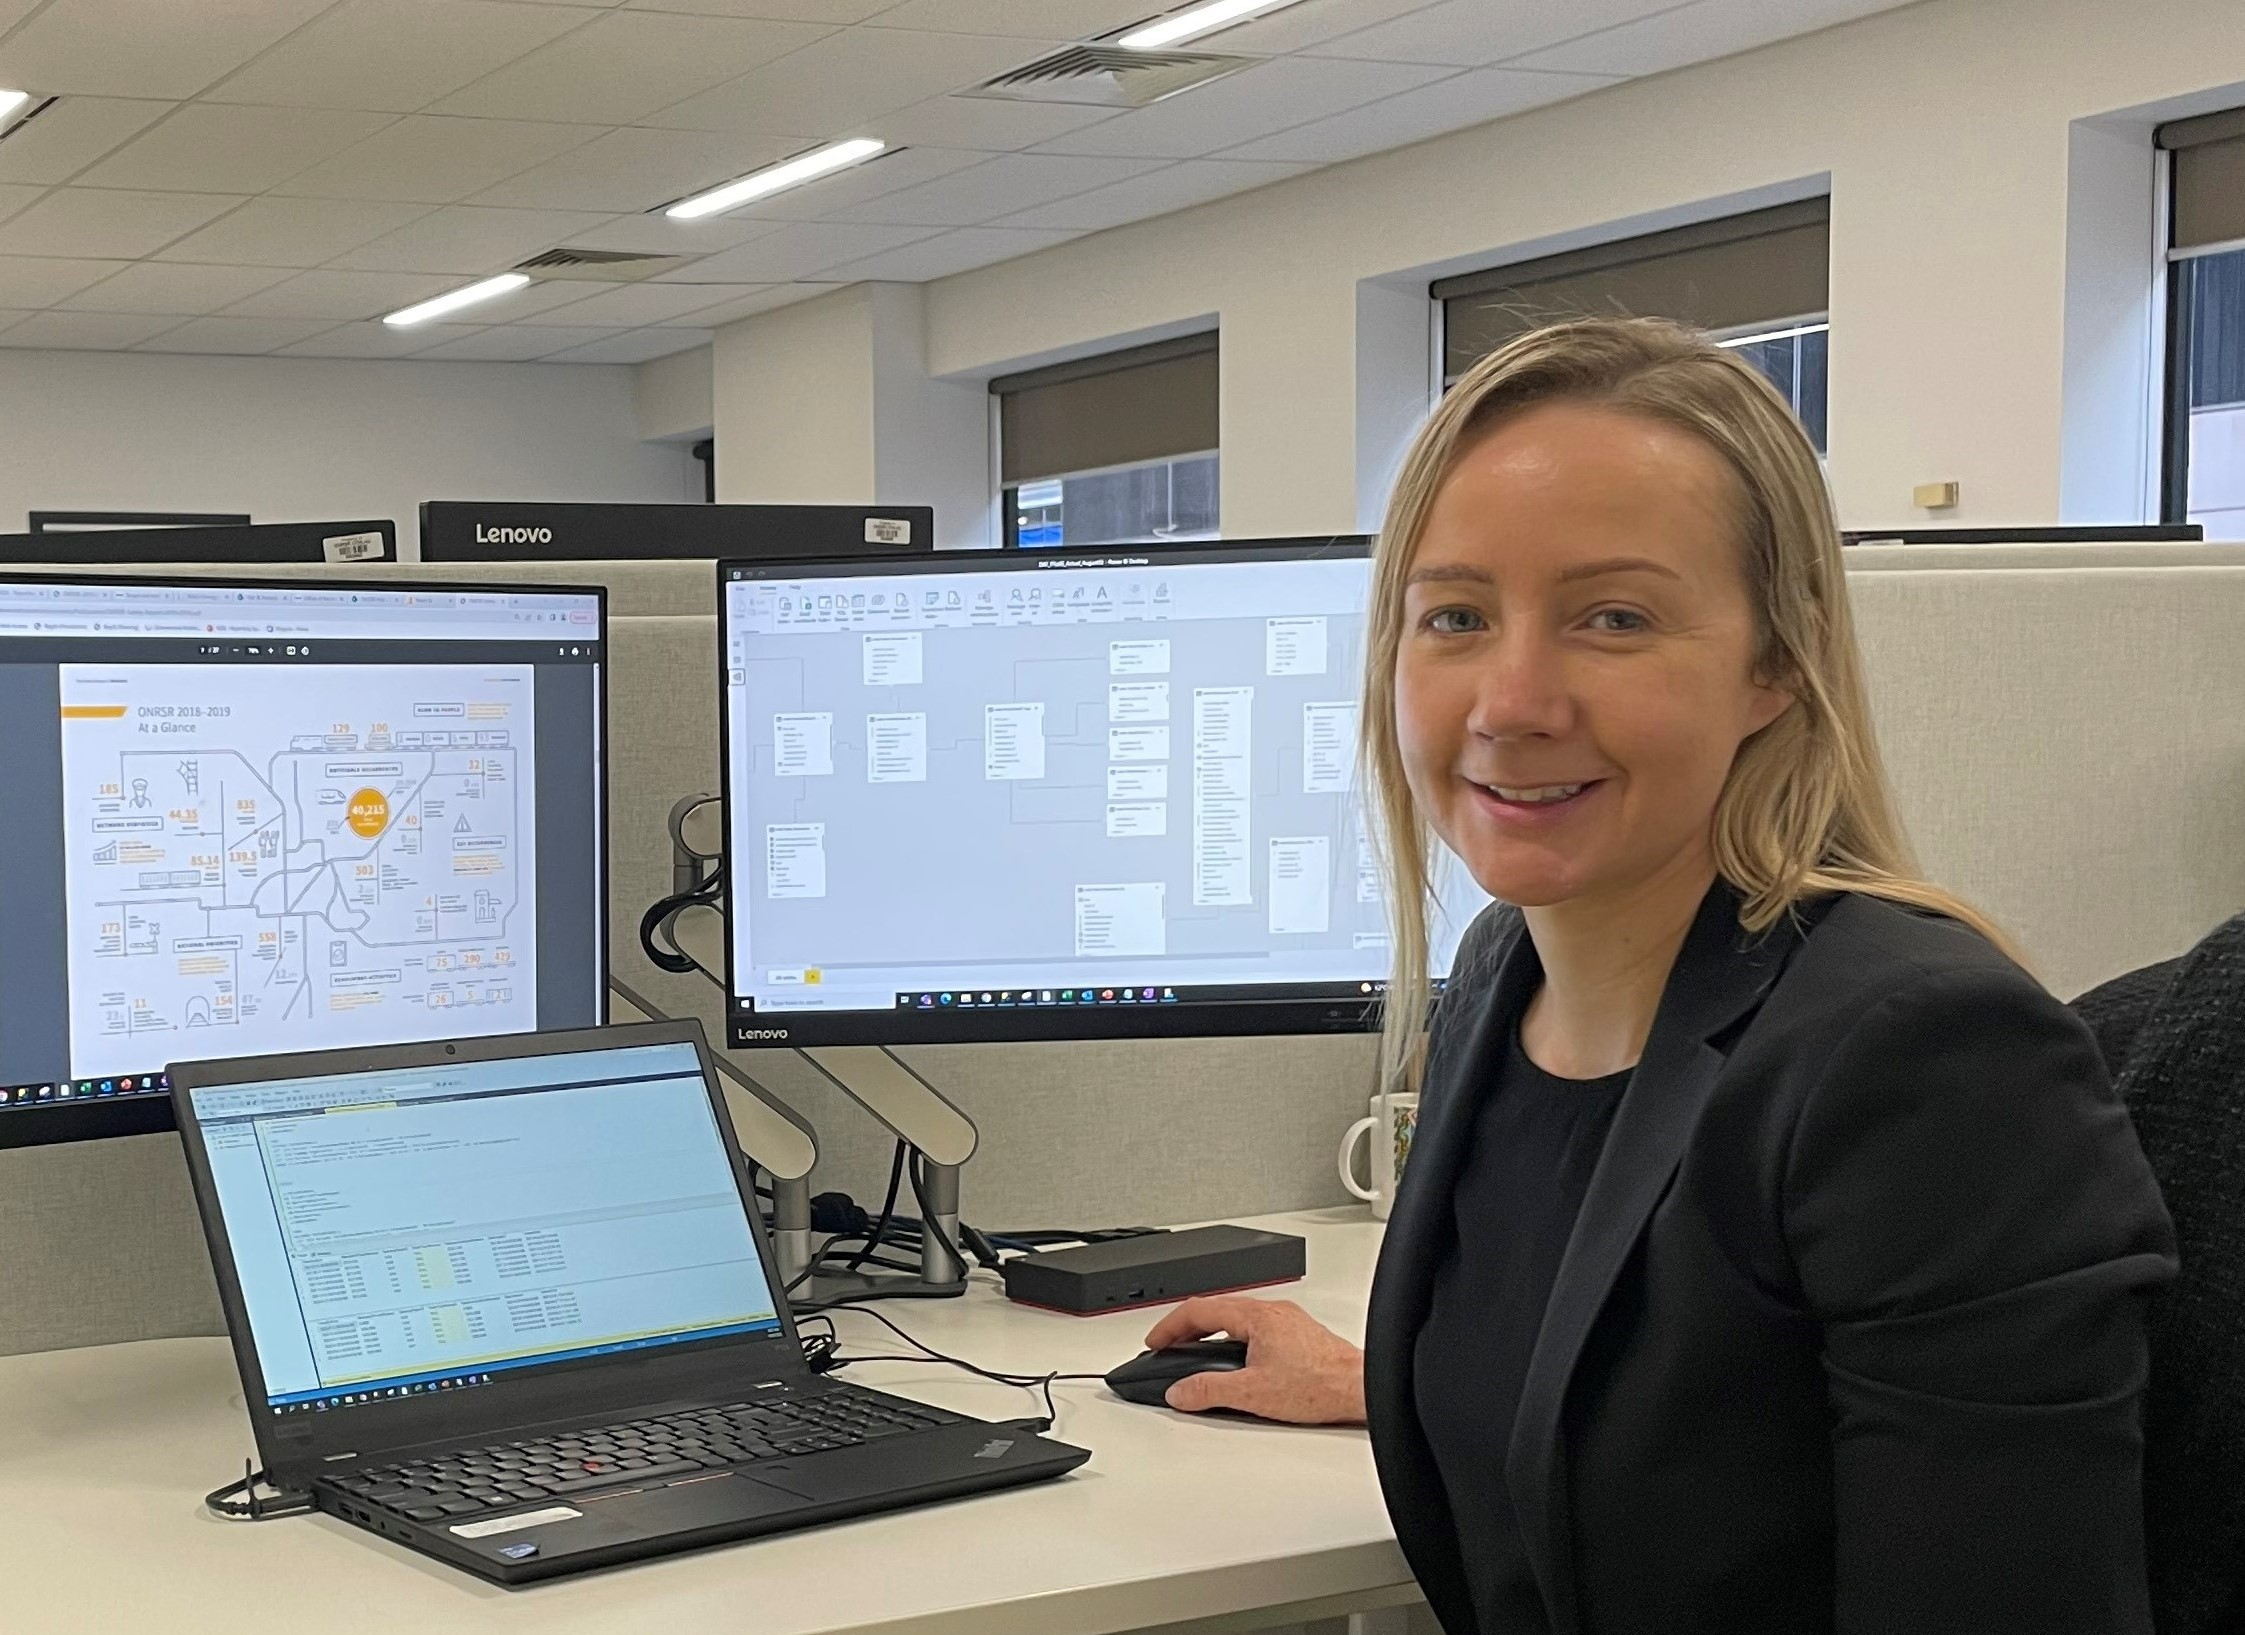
(259, 818)
(345, 543)
(999, 795)
(542, 531)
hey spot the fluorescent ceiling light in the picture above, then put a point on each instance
(454, 300)
(13, 103)
(1195, 21)
(776, 178)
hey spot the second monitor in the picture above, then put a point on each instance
(1101, 793)
(246, 818)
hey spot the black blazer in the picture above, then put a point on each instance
(1849, 1336)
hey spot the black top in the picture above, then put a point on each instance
(1536, 1139)
(1848, 1338)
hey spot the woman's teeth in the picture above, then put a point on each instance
(1542, 795)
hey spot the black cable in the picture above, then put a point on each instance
(1025, 1382)
(238, 1501)
(888, 1209)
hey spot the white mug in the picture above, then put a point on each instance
(1398, 1116)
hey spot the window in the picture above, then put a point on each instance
(1112, 449)
(1757, 282)
(2205, 447)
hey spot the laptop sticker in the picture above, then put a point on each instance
(515, 1524)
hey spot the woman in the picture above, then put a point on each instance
(1773, 1252)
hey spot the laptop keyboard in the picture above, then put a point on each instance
(627, 1455)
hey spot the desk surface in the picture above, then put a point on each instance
(108, 1451)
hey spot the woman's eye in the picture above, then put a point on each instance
(1453, 621)
(1618, 621)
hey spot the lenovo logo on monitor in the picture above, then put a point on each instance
(513, 536)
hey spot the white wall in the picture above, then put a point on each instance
(1944, 131)
(302, 439)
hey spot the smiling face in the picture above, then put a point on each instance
(1576, 666)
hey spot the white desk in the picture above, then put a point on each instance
(106, 1453)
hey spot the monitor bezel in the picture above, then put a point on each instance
(1264, 1015)
(529, 1395)
(100, 1120)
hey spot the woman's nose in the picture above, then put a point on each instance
(1521, 690)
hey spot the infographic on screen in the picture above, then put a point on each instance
(263, 862)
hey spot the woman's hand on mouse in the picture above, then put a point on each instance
(1298, 1370)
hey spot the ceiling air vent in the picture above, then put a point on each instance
(1106, 76)
(599, 266)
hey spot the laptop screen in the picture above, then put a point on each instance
(423, 1229)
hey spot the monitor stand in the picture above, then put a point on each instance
(939, 1138)
(686, 933)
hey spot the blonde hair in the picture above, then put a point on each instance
(1806, 808)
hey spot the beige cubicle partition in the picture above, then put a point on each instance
(2068, 743)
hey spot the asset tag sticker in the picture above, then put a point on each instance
(888, 531)
(515, 1524)
(352, 547)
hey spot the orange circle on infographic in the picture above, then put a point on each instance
(369, 813)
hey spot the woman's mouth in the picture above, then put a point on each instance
(1536, 800)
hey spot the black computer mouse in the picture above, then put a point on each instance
(1147, 1377)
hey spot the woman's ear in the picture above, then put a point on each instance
(1773, 695)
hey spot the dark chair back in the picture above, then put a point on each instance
(2174, 1036)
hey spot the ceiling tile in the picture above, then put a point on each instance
(834, 87)
(164, 286)
(949, 253)
(625, 65)
(236, 335)
(91, 331)
(1696, 33)
(278, 232)
(13, 12)
(1471, 98)
(637, 169)
(765, 298)
(207, 148)
(836, 12)
(427, 159)
(338, 296)
(43, 281)
(1469, 33)
(985, 123)
(144, 48)
(1254, 102)
(1298, 27)
(15, 197)
(1175, 187)
(997, 187)
(464, 239)
(634, 346)
(634, 305)
(515, 343)
(395, 56)
(85, 221)
(375, 340)
(72, 134)
(796, 250)
(1054, 19)
(7, 318)
(878, 177)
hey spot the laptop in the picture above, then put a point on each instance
(509, 1302)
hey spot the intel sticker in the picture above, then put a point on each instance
(887, 531)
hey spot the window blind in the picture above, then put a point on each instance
(1764, 267)
(2207, 199)
(1119, 409)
